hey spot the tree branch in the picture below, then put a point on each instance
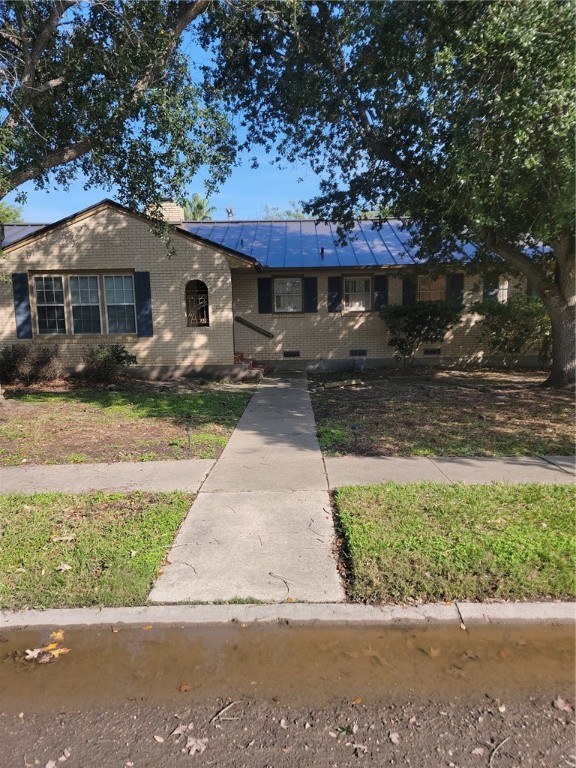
(59, 156)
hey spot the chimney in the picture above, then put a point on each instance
(171, 211)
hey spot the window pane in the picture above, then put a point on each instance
(357, 294)
(49, 290)
(86, 319)
(121, 318)
(288, 295)
(51, 320)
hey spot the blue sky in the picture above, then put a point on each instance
(247, 191)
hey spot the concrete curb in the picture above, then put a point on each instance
(298, 613)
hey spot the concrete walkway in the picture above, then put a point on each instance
(261, 526)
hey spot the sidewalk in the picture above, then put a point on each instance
(261, 526)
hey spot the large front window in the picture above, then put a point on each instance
(357, 294)
(288, 294)
(78, 304)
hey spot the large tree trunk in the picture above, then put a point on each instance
(563, 320)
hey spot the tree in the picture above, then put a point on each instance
(294, 211)
(11, 214)
(198, 209)
(103, 89)
(461, 113)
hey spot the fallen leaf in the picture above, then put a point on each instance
(50, 764)
(357, 701)
(394, 737)
(563, 705)
(434, 653)
(284, 723)
(159, 739)
(502, 708)
(50, 646)
(60, 652)
(179, 730)
(478, 751)
(32, 653)
(68, 537)
(64, 567)
(148, 626)
(58, 635)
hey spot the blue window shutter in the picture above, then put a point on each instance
(144, 324)
(455, 285)
(334, 294)
(22, 305)
(264, 295)
(310, 294)
(409, 286)
(380, 291)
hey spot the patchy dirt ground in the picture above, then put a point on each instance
(443, 413)
(469, 732)
(59, 422)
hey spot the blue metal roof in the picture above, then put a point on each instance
(306, 244)
(15, 232)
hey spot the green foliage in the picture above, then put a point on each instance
(409, 326)
(294, 211)
(430, 542)
(10, 214)
(107, 362)
(461, 113)
(198, 209)
(104, 90)
(511, 328)
(26, 363)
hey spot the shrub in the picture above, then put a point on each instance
(512, 327)
(23, 362)
(415, 324)
(107, 362)
(12, 358)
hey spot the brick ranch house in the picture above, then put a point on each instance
(283, 293)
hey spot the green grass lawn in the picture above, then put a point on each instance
(141, 423)
(434, 542)
(66, 550)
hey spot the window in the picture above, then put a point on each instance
(120, 311)
(288, 294)
(197, 304)
(85, 302)
(431, 290)
(357, 293)
(81, 304)
(50, 307)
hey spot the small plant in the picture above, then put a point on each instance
(415, 324)
(19, 362)
(512, 327)
(107, 362)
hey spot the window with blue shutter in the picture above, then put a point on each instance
(22, 305)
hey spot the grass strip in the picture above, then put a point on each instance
(433, 542)
(62, 550)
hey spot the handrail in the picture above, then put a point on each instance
(253, 327)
